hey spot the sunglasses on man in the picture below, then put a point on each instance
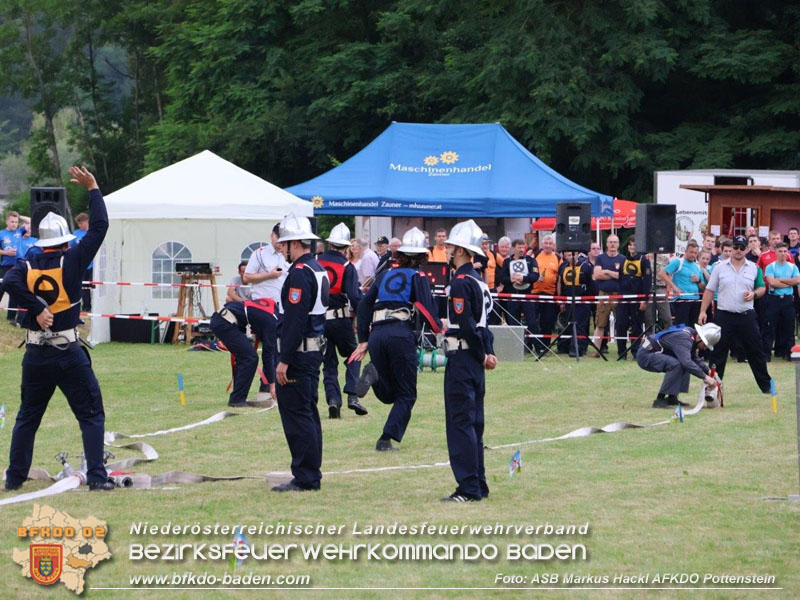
(739, 247)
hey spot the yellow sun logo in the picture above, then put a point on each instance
(448, 157)
(431, 160)
(316, 201)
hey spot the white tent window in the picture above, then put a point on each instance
(250, 248)
(165, 256)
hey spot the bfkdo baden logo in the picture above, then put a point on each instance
(46, 562)
(62, 548)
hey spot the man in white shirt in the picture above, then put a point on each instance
(367, 260)
(266, 270)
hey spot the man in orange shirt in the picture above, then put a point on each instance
(439, 252)
(548, 262)
(493, 263)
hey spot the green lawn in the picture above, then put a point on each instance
(684, 498)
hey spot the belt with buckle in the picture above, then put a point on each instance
(315, 344)
(391, 314)
(337, 313)
(451, 344)
(51, 338)
(228, 316)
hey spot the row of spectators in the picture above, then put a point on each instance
(511, 266)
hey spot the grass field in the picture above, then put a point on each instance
(684, 498)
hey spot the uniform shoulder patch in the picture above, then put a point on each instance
(295, 294)
(462, 276)
(458, 305)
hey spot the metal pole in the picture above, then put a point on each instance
(796, 497)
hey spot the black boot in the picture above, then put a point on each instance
(369, 376)
(385, 446)
(354, 404)
(672, 400)
(334, 411)
(661, 401)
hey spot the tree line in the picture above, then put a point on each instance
(604, 91)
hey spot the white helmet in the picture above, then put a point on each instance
(295, 228)
(467, 235)
(709, 333)
(413, 242)
(53, 231)
(340, 235)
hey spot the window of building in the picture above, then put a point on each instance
(250, 248)
(165, 257)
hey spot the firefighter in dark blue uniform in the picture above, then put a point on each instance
(344, 298)
(468, 343)
(230, 325)
(673, 352)
(304, 300)
(635, 277)
(48, 287)
(575, 280)
(518, 275)
(388, 307)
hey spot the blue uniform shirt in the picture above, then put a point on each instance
(304, 305)
(343, 280)
(467, 308)
(609, 263)
(397, 288)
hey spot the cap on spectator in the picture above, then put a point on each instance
(486, 238)
(740, 240)
(382, 240)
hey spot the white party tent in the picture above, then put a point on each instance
(201, 209)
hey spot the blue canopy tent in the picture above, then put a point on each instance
(433, 170)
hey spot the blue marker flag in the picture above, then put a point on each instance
(515, 464)
(238, 540)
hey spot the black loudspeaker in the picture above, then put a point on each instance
(45, 200)
(655, 228)
(573, 226)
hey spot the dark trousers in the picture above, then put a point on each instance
(393, 351)
(548, 313)
(495, 317)
(86, 291)
(628, 319)
(464, 390)
(43, 369)
(743, 327)
(11, 315)
(676, 378)
(340, 336)
(297, 404)
(581, 316)
(686, 312)
(777, 319)
(245, 355)
(515, 310)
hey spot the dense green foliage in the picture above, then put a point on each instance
(605, 92)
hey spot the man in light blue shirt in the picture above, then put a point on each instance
(684, 277)
(9, 240)
(779, 313)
